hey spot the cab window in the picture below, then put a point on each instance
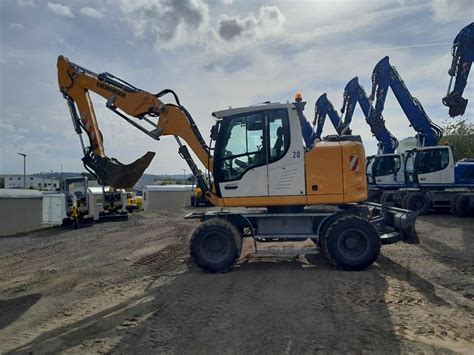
(428, 161)
(243, 147)
(279, 133)
(386, 165)
(251, 140)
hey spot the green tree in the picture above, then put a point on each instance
(460, 135)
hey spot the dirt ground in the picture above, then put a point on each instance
(128, 287)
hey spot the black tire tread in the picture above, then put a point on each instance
(403, 203)
(461, 206)
(216, 222)
(386, 197)
(412, 197)
(330, 258)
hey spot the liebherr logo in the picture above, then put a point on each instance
(111, 89)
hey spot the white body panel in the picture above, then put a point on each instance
(253, 183)
(286, 177)
(393, 179)
(444, 176)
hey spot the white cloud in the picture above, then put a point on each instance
(187, 22)
(25, 3)
(449, 10)
(91, 12)
(17, 26)
(269, 21)
(60, 9)
(170, 22)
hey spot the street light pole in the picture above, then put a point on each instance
(24, 169)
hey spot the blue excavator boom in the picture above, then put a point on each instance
(354, 93)
(385, 76)
(322, 108)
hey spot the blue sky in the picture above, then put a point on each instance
(214, 54)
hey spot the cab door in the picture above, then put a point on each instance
(286, 164)
(241, 156)
(435, 166)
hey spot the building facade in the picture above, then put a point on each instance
(15, 181)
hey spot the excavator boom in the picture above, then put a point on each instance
(354, 93)
(135, 106)
(385, 76)
(322, 108)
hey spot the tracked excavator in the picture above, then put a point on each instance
(256, 157)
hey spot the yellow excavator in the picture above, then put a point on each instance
(256, 157)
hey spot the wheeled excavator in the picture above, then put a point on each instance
(425, 176)
(463, 56)
(256, 157)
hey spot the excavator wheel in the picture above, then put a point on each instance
(374, 196)
(403, 203)
(460, 206)
(350, 243)
(417, 201)
(215, 245)
(386, 198)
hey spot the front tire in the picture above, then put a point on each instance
(351, 243)
(215, 245)
(417, 201)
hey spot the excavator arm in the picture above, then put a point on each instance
(137, 107)
(385, 76)
(354, 93)
(463, 56)
(322, 108)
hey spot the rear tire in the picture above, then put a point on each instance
(374, 196)
(417, 201)
(351, 243)
(403, 204)
(387, 197)
(215, 245)
(461, 206)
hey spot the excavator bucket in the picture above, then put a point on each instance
(113, 173)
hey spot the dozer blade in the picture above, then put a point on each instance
(113, 173)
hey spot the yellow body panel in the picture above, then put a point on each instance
(355, 180)
(323, 167)
(336, 168)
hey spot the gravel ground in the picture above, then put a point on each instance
(128, 287)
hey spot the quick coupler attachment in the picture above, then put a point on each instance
(111, 172)
(456, 103)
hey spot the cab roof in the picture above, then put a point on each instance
(259, 107)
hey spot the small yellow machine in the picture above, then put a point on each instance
(257, 158)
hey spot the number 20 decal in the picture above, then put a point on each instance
(296, 154)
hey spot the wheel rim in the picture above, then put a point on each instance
(419, 204)
(214, 247)
(353, 244)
